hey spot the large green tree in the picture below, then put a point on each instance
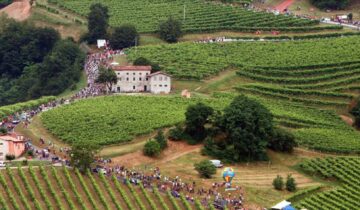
(248, 126)
(170, 30)
(330, 4)
(124, 36)
(107, 77)
(196, 117)
(83, 155)
(98, 22)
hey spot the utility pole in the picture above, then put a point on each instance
(136, 40)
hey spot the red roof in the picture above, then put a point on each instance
(131, 68)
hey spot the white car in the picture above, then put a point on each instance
(2, 164)
(217, 163)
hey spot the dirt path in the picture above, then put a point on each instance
(19, 10)
(174, 151)
(285, 4)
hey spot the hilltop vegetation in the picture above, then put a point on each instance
(199, 16)
(35, 62)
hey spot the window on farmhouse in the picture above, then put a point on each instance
(134, 73)
(160, 78)
(127, 78)
(133, 87)
(134, 79)
(140, 73)
(147, 79)
(165, 85)
(165, 78)
(127, 73)
(139, 78)
(160, 85)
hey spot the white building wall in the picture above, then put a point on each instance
(131, 81)
(160, 83)
(4, 148)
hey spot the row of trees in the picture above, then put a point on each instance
(290, 184)
(126, 35)
(331, 4)
(242, 132)
(35, 62)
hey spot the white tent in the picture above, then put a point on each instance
(101, 43)
(281, 205)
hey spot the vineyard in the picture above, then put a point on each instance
(110, 120)
(199, 61)
(346, 196)
(199, 16)
(62, 188)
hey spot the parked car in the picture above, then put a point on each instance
(2, 164)
(217, 163)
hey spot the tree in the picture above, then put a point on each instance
(290, 183)
(282, 140)
(330, 4)
(10, 157)
(205, 168)
(350, 17)
(107, 77)
(196, 116)
(278, 183)
(124, 36)
(83, 154)
(356, 113)
(152, 148)
(141, 61)
(98, 22)
(176, 133)
(160, 138)
(249, 126)
(170, 30)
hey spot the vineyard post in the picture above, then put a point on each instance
(184, 11)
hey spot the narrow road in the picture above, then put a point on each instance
(285, 4)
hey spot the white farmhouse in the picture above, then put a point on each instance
(139, 79)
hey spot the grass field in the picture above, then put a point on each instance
(61, 188)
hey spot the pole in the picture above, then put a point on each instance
(136, 40)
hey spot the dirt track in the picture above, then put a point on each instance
(19, 10)
(174, 150)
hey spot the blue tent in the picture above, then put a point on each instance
(289, 207)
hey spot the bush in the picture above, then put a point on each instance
(330, 4)
(160, 138)
(170, 30)
(278, 183)
(205, 168)
(152, 148)
(30, 152)
(176, 134)
(282, 140)
(124, 36)
(10, 157)
(3, 131)
(290, 183)
(141, 61)
(356, 113)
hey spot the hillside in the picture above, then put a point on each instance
(196, 15)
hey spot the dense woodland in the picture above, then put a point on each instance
(331, 4)
(35, 62)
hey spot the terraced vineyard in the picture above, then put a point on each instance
(61, 188)
(123, 118)
(198, 61)
(200, 16)
(347, 196)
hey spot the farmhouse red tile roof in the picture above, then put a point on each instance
(10, 138)
(131, 68)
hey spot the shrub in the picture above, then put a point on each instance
(278, 183)
(170, 30)
(176, 134)
(10, 157)
(290, 183)
(282, 140)
(141, 61)
(205, 168)
(160, 138)
(3, 131)
(152, 148)
(356, 113)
